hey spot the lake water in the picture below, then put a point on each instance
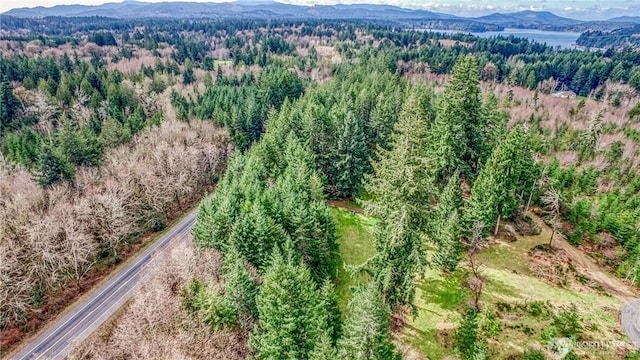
(563, 39)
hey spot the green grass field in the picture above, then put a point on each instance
(356, 246)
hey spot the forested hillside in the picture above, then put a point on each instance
(376, 175)
(617, 38)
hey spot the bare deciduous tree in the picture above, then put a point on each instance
(473, 244)
(154, 325)
(48, 237)
(552, 203)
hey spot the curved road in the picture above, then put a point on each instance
(86, 316)
(631, 321)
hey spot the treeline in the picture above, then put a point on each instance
(56, 26)
(51, 238)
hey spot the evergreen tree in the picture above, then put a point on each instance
(457, 137)
(9, 106)
(383, 116)
(217, 214)
(445, 230)
(588, 142)
(351, 156)
(367, 330)
(188, 76)
(494, 129)
(449, 246)
(400, 187)
(483, 203)
(399, 257)
(64, 93)
(324, 349)
(467, 337)
(290, 318)
(53, 165)
(329, 305)
(239, 287)
(208, 304)
(402, 177)
(502, 182)
(79, 144)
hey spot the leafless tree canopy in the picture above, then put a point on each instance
(154, 326)
(49, 237)
(552, 202)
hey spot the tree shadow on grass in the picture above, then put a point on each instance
(445, 291)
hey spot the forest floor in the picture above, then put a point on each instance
(526, 286)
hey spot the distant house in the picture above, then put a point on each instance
(565, 95)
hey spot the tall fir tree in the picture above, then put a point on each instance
(494, 128)
(9, 106)
(351, 156)
(500, 186)
(399, 257)
(330, 309)
(402, 176)
(457, 142)
(290, 316)
(240, 288)
(401, 189)
(367, 330)
(445, 228)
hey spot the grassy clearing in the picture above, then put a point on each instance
(518, 307)
(356, 247)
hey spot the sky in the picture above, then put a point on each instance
(581, 9)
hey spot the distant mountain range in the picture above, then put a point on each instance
(528, 19)
(270, 9)
(138, 9)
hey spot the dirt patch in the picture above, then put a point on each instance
(551, 266)
(606, 252)
(346, 204)
(451, 43)
(587, 269)
(555, 266)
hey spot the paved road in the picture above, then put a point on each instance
(87, 315)
(631, 321)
